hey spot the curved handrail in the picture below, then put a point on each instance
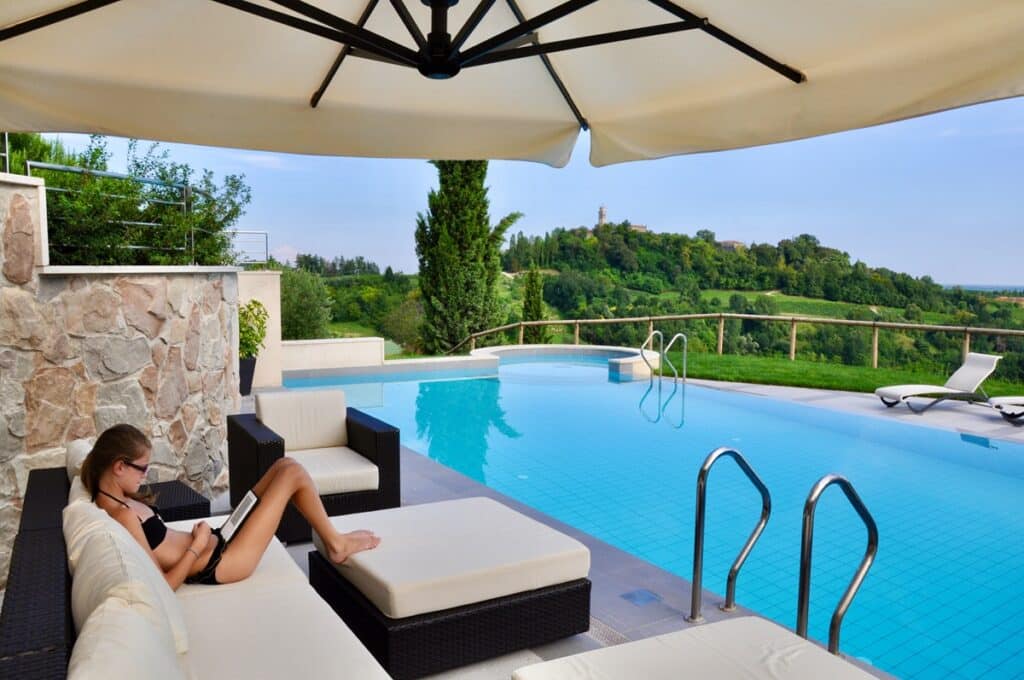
(698, 538)
(676, 388)
(661, 352)
(668, 347)
(806, 541)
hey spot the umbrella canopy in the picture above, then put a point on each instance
(512, 79)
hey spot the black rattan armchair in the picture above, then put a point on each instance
(253, 447)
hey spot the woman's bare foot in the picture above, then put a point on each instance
(351, 543)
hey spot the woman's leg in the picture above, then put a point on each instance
(286, 481)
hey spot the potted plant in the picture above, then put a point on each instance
(252, 329)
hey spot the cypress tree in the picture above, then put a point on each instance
(459, 256)
(533, 306)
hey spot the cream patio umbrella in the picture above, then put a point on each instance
(511, 79)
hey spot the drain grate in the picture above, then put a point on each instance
(605, 634)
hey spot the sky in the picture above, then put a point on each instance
(940, 195)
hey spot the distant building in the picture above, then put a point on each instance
(642, 228)
(602, 216)
(732, 245)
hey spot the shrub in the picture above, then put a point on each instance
(305, 306)
(252, 328)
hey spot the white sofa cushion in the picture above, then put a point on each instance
(466, 550)
(306, 419)
(281, 631)
(119, 641)
(78, 492)
(76, 454)
(747, 647)
(106, 562)
(338, 469)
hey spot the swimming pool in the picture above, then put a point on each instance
(941, 601)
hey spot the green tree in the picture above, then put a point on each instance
(459, 256)
(533, 306)
(305, 306)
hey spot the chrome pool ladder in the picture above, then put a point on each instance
(698, 534)
(668, 348)
(806, 541)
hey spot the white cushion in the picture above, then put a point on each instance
(747, 647)
(338, 469)
(276, 567)
(441, 555)
(76, 454)
(282, 631)
(105, 561)
(78, 492)
(118, 641)
(900, 392)
(305, 419)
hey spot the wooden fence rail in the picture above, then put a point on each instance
(967, 331)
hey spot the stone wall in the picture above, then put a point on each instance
(83, 348)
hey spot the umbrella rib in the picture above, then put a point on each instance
(410, 24)
(521, 18)
(471, 23)
(50, 18)
(355, 35)
(587, 41)
(522, 29)
(732, 41)
(314, 101)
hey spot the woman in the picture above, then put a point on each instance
(116, 468)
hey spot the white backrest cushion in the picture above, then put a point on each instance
(105, 561)
(76, 454)
(975, 369)
(119, 641)
(306, 419)
(78, 492)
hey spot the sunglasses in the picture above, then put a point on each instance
(141, 468)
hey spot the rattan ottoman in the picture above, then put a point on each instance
(454, 583)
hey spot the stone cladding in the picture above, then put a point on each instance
(79, 353)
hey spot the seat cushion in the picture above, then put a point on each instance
(747, 647)
(305, 419)
(441, 555)
(118, 641)
(338, 469)
(900, 392)
(280, 631)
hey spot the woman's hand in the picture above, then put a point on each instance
(200, 536)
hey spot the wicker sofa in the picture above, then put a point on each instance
(352, 457)
(130, 624)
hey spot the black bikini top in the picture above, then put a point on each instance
(153, 527)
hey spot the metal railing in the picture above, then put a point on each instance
(806, 545)
(250, 247)
(668, 348)
(5, 152)
(721, 317)
(698, 533)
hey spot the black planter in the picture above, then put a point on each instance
(246, 368)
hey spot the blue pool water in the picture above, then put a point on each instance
(943, 599)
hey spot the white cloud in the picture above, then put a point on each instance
(284, 253)
(265, 161)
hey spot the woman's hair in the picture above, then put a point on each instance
(120, 442)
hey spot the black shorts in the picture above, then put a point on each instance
(208, 576)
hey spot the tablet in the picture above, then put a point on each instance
(234, 522)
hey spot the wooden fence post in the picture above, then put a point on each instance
(874, 347)
(967, 345)
(650, 327)
(792, 340)
(472, 344)
(520, 332)
(721, 333)
(576, 333)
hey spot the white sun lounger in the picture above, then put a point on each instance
(963, 385)
(1011, 408)
(747, 647)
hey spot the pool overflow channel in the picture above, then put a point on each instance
(806, 545)
(663, 359)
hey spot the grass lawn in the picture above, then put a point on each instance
(354, 329)
(782, 371)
